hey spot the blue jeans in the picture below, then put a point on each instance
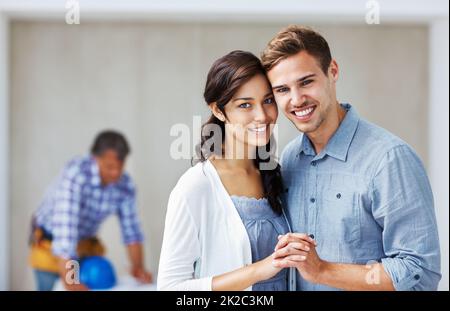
(45, 280)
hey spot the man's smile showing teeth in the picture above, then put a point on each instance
(305, 113)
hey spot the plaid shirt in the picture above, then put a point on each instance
(76, 204)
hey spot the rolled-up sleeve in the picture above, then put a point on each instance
(403, 206)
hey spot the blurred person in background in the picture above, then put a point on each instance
(65, 225)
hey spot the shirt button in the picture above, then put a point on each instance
(338, 195)
(311, 236)
(417, 276)
(312, 200)
(313, 163)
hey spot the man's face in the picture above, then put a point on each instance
(110, 167)
(303, 92)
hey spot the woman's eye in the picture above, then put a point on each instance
(244, 105)
(306, 82)
(269, 100)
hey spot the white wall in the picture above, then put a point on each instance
(439, 135)
(4, 154)
(68, 82)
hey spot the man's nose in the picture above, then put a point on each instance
(296, 98)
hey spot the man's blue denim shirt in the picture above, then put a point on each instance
(365, 197)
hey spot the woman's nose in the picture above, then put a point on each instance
(261, 114)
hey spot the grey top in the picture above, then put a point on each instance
(263, 226)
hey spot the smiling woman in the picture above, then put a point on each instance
(201, 251)
(246, 112)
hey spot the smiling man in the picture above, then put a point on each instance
(65, 226)
(359, 191)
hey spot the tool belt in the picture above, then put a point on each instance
(41, 256)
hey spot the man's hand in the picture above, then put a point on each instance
(136, 254)
(298, 250)
(142, 275)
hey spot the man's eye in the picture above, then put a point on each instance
(306, 82)
(282, 90)
(244, 105)
(269, 100)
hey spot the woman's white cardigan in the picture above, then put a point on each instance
(203, 236)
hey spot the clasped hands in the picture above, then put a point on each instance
(298, 250)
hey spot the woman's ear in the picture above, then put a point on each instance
(216, 111)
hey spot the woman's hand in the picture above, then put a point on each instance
(265, 269)
(246, 276)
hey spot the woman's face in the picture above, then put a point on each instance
(251, 113)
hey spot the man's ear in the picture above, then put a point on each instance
(216, 112)
(333, 70)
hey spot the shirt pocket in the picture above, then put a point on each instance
(339, 216)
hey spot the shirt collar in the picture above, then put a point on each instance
(338, 145)
(306, 146)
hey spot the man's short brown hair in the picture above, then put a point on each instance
(292, 40)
